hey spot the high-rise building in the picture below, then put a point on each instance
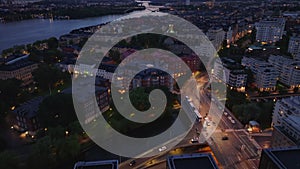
(280, 158)
(265, 74)
(216, 36)
(294, 45)
(289, 70)
(285, 107)
(280, 138)
(191, 161)
(187, 2)
(286, 122)
(270, 31)
(232, 72)
(111, 164)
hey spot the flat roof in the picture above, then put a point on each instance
(192, 161)
(285, 157)
(107, 164)
(16, 65)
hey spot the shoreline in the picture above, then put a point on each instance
(3, 21)
(69, 32)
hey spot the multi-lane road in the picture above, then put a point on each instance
(239, 151)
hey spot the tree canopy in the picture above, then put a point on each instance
(48, 76)
(57, 110)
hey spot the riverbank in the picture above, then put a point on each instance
(69, 13)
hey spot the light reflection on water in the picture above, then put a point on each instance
(29, 31)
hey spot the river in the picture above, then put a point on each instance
(29, 31)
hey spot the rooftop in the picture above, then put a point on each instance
(29, 108)
(108, 164)
(16, 64)
(284, 157)
(192, 161)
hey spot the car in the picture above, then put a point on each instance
(193, 140)
(225, 113)
(229, 117)
(232, 121)
(224, 138)
(132, 163)
(163, 148)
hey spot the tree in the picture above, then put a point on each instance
(115, 56)
(235, 98)
(253, 35)
(261, 112)
(283, 44)
(69, 148)
(52, 56)
(52, 43)
(57, 110)
(139, 99)
(75, 128)
(34, 55)
(3, 144)
(246, 112)
(250, 76)
(43, 155)
(54, 149)
(9, 160)
(48, 76)
(9, 90)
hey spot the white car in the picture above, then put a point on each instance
(194, 140)
(229, 117)
(225, 113)
(232, 121)
(163, 148)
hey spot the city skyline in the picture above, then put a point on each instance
(149, 84)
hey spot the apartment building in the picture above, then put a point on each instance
(289, 70)
(294, 45)
(216, 36)
(20, 69)
(25, 116)
(286, 122)
(232, 72)
(270, 30)
(265, 74)
(280, 158)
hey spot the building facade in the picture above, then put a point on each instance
(25, 116)
(289, 70)
(232, 72)
(216, 36)
(19, 69)
(265, 74)
(286, 121)
(280, 158)
(294, 45)
(270, 31)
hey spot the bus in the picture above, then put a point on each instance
(193, 108)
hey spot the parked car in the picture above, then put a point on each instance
(132, 163)
(163, 148)
(193, 140)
